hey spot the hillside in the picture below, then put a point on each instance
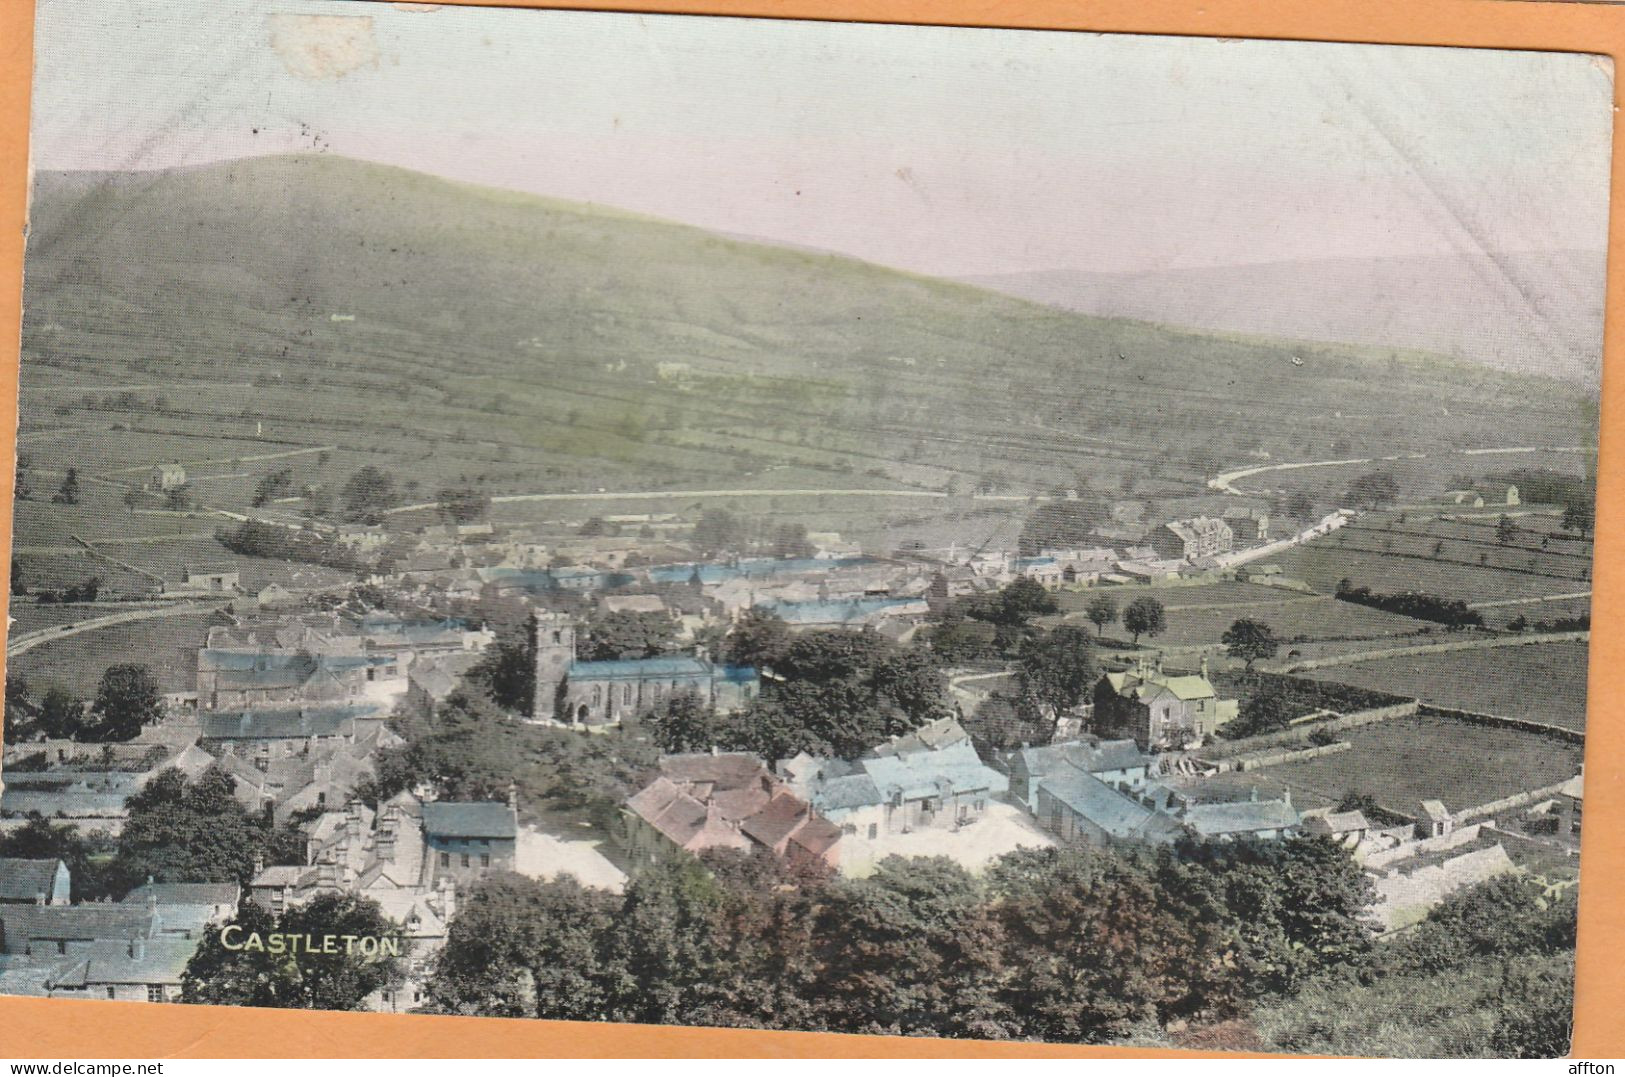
(1534, 311)
(447, 330)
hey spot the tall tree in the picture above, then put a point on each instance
(1250, 641)
(757, 639)
(1144, 617)
(248, 975)
(60, 715)
(524, 948)
(1058, 669)
(506, 672)
(127, 700)
(190, 831)
(1102, 611)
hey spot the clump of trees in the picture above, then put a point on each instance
(246, 974)
(1373, 490)
(991, 626)
(463, 504)
(1453, 613)
(253, 538)
(367, 495)
(835, 692)
(1075, 945)
(271, 487)
(1062, 522)
(1489, 973)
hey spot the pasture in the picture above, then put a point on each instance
(1406, 760)
(167, 646)
(1540, 683)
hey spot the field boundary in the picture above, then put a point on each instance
(1516, 800)
(1522, 725)
(1520, 640)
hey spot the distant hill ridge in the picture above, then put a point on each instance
(1530, 311)
(586, 343)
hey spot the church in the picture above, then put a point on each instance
(587, 695)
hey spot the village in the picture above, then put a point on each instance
(1201, 717)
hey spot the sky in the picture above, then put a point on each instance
(952, 152)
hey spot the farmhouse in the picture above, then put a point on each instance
(279, 732)
(1192, 539)
(211, 578)
(1160, 710)
(166, 477)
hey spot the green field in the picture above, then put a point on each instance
(1403, 761)
(1410, 566)
(1541, 682)
(167, 646)
(1294, 618)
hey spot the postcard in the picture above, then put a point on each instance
(955, 532)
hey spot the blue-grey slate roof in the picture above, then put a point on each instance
(1240, 817)
(476, 819)
(1118, 815)
(955, 768)
(282, 723)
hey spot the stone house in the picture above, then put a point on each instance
(1192, 539)
(1160, 710)
(33, 882)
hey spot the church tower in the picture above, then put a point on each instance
(554, 640)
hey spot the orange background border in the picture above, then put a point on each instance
(68, 1029)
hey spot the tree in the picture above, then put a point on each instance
(506, 672)
(275, 485)
(1250, 640)
(790, 540)
(367, 494)
(127, 700)
(18, 585)
(1069, 522)
(21, 710)
(1021, 599)
(183, 831)
(626, 634)
(756, 639)
(1299, 506)
(61, 716)
(1102, 611)
(462, 504)
(688, 724)
(1579, 515)
(22, 489)
(717, 531)
(178, 498)
(1269, 709)
(524, 948)
(911, 950)
(466, 751)
(1505, 530)
(1144, 617)
(1058, 669)
(253, 970)
(1373, 490)
(68, 492)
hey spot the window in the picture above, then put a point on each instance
(465, 860)
(626, 694)
(61, 946)
(874, 831)
(445, 860)
(155, 993)
(110, 991)
(485, 860)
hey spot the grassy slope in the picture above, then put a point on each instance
(524, 335)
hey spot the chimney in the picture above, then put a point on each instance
(39, 897)
(1254, 797)
(138, 949)
(1202, 665)
(513, 795)
(259, 864)
(1286, 797)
